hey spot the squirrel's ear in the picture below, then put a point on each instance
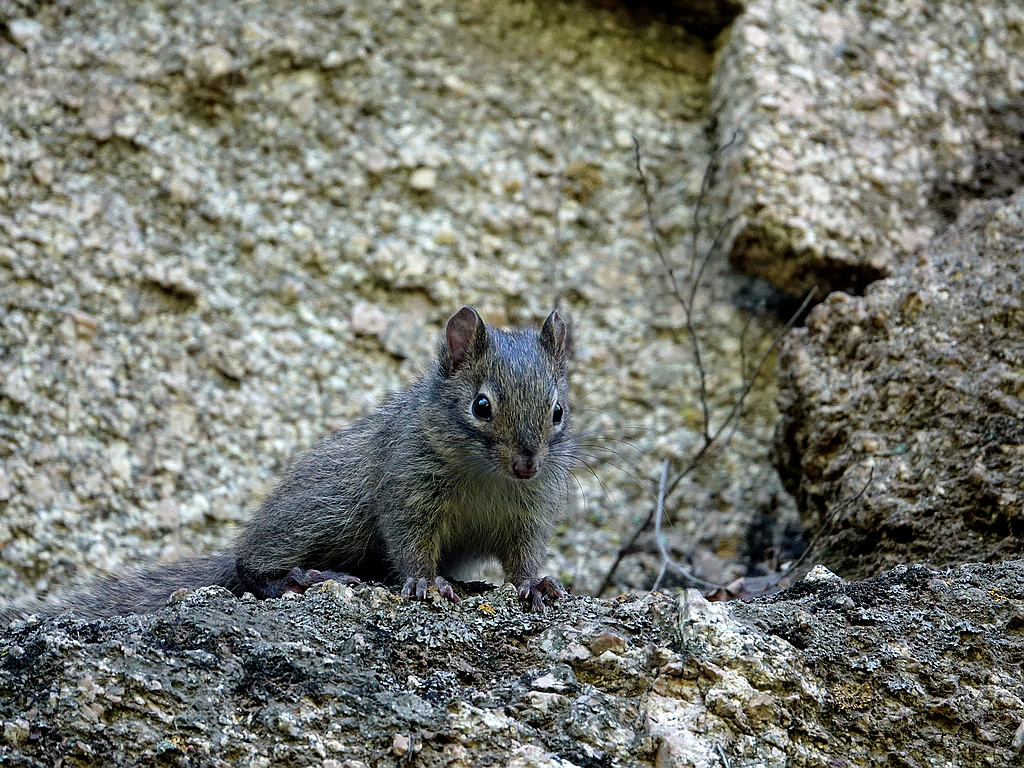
(466, 336)
(554, 337)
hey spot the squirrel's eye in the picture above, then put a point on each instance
(556, 417)
(482, 408)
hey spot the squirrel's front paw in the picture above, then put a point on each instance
(416, 588)
(299, 580)
(533, 593)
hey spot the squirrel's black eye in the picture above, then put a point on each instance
(556, 417)
(482, 408)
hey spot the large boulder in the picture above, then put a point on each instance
(855, 131)
(912, 396)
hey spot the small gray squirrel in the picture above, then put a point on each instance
(472, 461)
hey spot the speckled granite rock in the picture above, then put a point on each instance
(227, 228)
(921, 382)
(860, 127)
(919, 667)
(824, 674)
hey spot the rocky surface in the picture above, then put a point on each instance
(226, 229)
(857, 130)
(916, 666)
(914, 393)
(235, 227)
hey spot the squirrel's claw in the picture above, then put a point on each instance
(533, 593)
(416, 588)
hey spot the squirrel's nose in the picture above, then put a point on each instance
(524, 465)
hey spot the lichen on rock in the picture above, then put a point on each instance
(355, 676)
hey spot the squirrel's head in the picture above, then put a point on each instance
(508, 392)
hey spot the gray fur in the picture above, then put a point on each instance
(414, 490)
(421, 486)
(138, 592)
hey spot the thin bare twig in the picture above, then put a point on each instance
(657, 525)
(733, 415)
(686, 301)
(743, 345)
(666, 558)
(687, 304)
(651, 219)
(708, 443)
(705, 184)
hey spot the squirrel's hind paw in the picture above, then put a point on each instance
(416, 588)
(533, 593)
(299, 580)
(316, 577)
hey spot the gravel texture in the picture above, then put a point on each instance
(914, 393)
(859, 129)
(226, 229)
(918, 666)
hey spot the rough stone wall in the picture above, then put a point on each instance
(859, 140)
(914, 394)
(856, 130)
(226, 229)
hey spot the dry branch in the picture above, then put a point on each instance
(710, 437)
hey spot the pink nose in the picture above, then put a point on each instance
(524, 467)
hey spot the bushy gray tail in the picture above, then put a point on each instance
(140, 591)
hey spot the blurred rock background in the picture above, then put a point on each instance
(226, 229)
(230, 228)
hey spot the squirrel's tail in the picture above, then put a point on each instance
(139, 591)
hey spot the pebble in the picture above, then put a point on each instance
(456, 85)
(548, 682)
(423, 179)
(42, 169)
(16, 388)
(302, 231)
(377, 162)
(210, 64)
(401, 745)
(15, 732)
(357, 246)
(181, 190)
(85, 324)
(821, 573)
(38, 490)
(445, 237)
(228, 357)
(333, 59)
(25, 32)
(368, 319)
(605, 641)
(127, 126)
(416, 264)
